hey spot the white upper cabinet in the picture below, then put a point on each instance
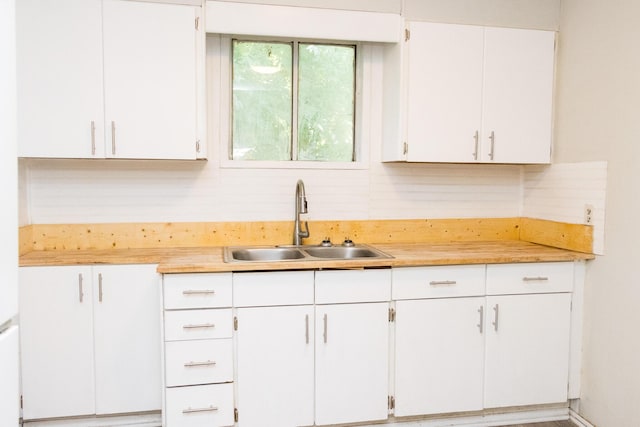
(59, 77)
(149, 80)
(469, 94)
(109, 79)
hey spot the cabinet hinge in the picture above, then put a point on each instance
(407, 34)
(197, 145)
(197, 23)
(392, 315)
(405, 148)
(235, 415)
(235, 323)
(392, 402)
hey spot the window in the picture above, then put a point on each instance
(293, 101)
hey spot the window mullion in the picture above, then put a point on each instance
(294, 104)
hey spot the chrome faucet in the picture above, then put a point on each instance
(301, 208)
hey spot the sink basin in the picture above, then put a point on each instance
(344, 252)
(262, 254)
(299, 253)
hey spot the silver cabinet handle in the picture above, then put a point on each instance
(481, 323)
(535, 279)
(209, 408)
(442, 282)
(324, 335)
(93, 138)
(200, 326)
(196, 364)
(306, 328)
(80, 293)
(113, 138)
(476, 138)
(198, 292)
(100, 287)
(492, 138)
(496, 309)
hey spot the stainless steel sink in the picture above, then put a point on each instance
(262, 254)
(344, 252)
(300, 253)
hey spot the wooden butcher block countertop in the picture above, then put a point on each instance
(210, 259)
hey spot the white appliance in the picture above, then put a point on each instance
(9, 361)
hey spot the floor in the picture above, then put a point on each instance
(548, 424)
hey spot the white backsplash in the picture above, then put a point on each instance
(559, 192)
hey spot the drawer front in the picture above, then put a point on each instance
(198, 324)
(438, 282)
(198, 362)
(197, 290)
(272, 288)
(345, 286)
(529, 278)
(197, 406)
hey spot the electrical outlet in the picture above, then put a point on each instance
(588, 214)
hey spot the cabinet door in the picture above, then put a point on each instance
(275, 365)
(352, 358)
(518, 95)
(56, 328)
(439, 356)
(527, 349)
(59, 78)
(444, 92)
(127, 338)
(150, 80)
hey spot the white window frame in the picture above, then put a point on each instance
(219, 86)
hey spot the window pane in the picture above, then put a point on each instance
(262, 98)
(326, 102)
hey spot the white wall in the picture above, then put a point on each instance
(598, 120)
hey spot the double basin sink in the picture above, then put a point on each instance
(300, 253)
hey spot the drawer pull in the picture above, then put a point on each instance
(209, 408)
(535, 279)
(202, 326)
(480, 325)
(196, 364)
(198, 292)
(442, 282)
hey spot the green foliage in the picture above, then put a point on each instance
(263, 99)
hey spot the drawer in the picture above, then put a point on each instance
(198, 362)
(438, 282)
(346, 286)
(272, 288)
(529, 278)
(197, 290)
(198, 324)
(197, 406)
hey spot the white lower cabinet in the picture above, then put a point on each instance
(352, 345)
(280, 334)
(89, 340)
(466, 343)
(275, 348)
(439, 356)
(352, 362)
(527, 349)
(197, 350)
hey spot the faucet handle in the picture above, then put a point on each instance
(304, 234)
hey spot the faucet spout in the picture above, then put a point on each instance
(301, 208)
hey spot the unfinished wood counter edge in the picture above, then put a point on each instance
(103, 236)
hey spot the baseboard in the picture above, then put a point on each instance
(138, 420)
(578, 420)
